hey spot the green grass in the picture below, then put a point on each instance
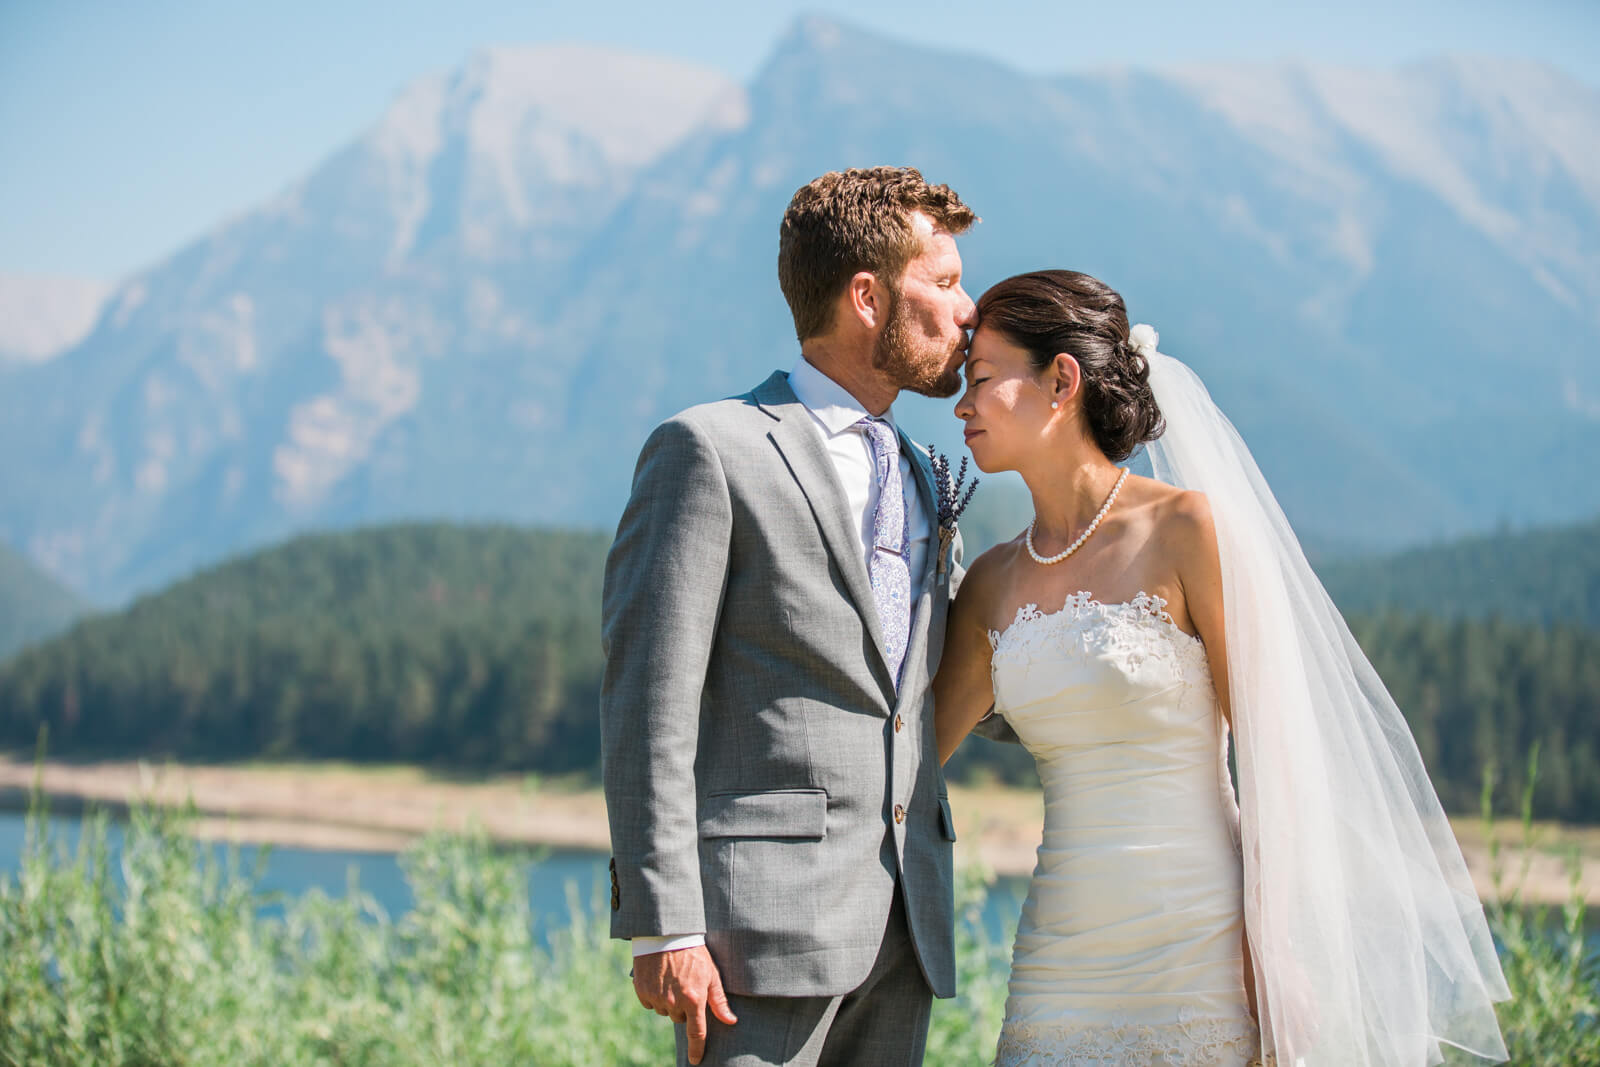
(177, 957)
(1553, 1016)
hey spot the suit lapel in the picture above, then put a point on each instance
(801, 447)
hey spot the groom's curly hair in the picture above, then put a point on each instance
(848, 221)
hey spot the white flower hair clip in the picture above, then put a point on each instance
(1143, 339)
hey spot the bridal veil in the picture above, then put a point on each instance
(1369, 941)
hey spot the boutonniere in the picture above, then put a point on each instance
(952, 498)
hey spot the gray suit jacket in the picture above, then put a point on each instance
(755, 749)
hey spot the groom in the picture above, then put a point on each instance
(773, 612)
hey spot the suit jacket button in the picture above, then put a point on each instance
(898, 723)
(899, 813)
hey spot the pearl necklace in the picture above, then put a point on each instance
(1070, 549)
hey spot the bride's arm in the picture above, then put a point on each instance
(962, 691)
(1193, 536)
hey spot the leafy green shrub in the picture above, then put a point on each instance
(163, 953)
(1553, 1016)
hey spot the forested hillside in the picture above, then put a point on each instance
(32, 604)
(1549, 575)
(1480, 693)
(478, 647)
(443, 644)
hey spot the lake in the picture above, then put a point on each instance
(293, 871)
(554, 875)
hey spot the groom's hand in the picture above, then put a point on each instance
(682, 985)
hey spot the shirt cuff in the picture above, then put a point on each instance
(649, 946)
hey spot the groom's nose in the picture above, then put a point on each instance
(968, 316)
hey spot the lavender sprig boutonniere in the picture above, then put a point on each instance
(952, 497)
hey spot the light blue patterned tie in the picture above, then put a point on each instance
(888, 568)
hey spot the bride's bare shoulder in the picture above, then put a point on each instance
(1179, 520)
(1187, 510)
(994, 562)
(1184, 540)
(1186, 530)
(988, 575)
(1166, 505)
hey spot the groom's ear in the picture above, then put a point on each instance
(868, 299)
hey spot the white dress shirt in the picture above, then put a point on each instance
(835, 414)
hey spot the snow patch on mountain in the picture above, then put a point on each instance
(1500, 141)
(508, 140)
(217, 343)
(376, 348)
(633, 106)
(42, 316)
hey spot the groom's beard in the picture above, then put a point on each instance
(922, 366)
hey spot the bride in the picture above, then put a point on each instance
(1326, 917)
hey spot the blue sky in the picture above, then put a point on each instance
(129, 129)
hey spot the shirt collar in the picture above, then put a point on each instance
(828, 401)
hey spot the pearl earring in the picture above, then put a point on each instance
(1054, 404)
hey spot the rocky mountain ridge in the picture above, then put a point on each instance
(478, 309)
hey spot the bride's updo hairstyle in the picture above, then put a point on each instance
(1049, 311)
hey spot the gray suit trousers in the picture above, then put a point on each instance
(883, 1022)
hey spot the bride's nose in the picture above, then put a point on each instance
(964, 408)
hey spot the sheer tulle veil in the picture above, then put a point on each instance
(1370, 944)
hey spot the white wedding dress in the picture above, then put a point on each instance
(1129, 946)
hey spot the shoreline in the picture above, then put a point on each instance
(346, 807)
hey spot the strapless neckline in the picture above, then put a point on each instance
(1141, 606)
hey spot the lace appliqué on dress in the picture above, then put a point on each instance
(1189, 1042)
(1135, 630)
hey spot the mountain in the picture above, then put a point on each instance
(33, 606)
(339, 354)
(1547, 576)
(478, 310)
(40, 317)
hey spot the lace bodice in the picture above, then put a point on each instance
(1095, 673)
(1128, 949)
(1133, 631)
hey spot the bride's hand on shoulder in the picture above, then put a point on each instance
(962, 691)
